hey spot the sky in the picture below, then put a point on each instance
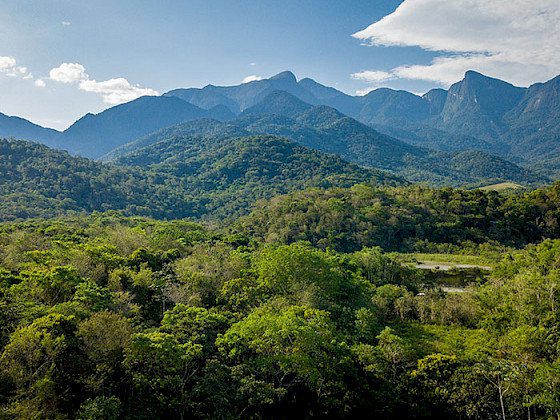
(60, 59)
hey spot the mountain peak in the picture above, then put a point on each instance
(472, 73)
(487, 81)
(279, 102)
(287, 76)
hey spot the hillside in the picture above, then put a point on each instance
(216, 180)
(479, 113)
(205, 127)
(237, 172)
(19, 128)
(327, 130)
(94, 135)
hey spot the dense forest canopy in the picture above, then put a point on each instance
(414, 218)
(210, 179)
(137, 291)
(115, 317)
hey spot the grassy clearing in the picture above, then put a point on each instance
(503, 186)
(452, 259)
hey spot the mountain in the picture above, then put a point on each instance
(479, 113)
(249, 162)
(332, 97)
(535, 123)
(239, 98)
(20, 128)
(436, 99)
(423, 135)
(486, 167)
(381, 105)
(476, 113)
(192, 177)
(326, 129)
(278, 102)
(94, 135)
(204, 127)
(476, 106)
(221, 112)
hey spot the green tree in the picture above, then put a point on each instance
(160, 369)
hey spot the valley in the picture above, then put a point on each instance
(280, 249)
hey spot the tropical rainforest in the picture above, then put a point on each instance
(311, 306)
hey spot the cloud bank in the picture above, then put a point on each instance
(514, 40)
(113, 91)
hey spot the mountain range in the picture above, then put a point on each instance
(478, 130)
(326, 129)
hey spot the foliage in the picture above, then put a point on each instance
(416, 219)
(108, 316)
(192, 177)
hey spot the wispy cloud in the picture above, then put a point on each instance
(515, 40)
(113, 91)
(251, 78)
(373, 76)
(66, 23)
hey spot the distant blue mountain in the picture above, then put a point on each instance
(278, 102)
(477, 113)
(94, 135)
(239, 98)
(20, 128)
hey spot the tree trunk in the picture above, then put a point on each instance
(502, 403)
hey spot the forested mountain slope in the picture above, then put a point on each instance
(325, 129)
(212, 179)
(477, 113)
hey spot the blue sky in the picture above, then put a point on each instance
(60, 59)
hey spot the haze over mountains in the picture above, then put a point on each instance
(481, 129)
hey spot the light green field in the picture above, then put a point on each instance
(503, 186)
(451, 259)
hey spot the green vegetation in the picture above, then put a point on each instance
(301, 309)
(408, 219)
(113, 317)
(216, 178)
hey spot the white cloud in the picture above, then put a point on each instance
(113, 91)
(116, 91)
(9, 67)
(251, 78)
(69, 73)
(364, 92)
(7, 63)
(65, 23)
(252, 64)
(40, 83)
(515, 40)
(373, 76)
